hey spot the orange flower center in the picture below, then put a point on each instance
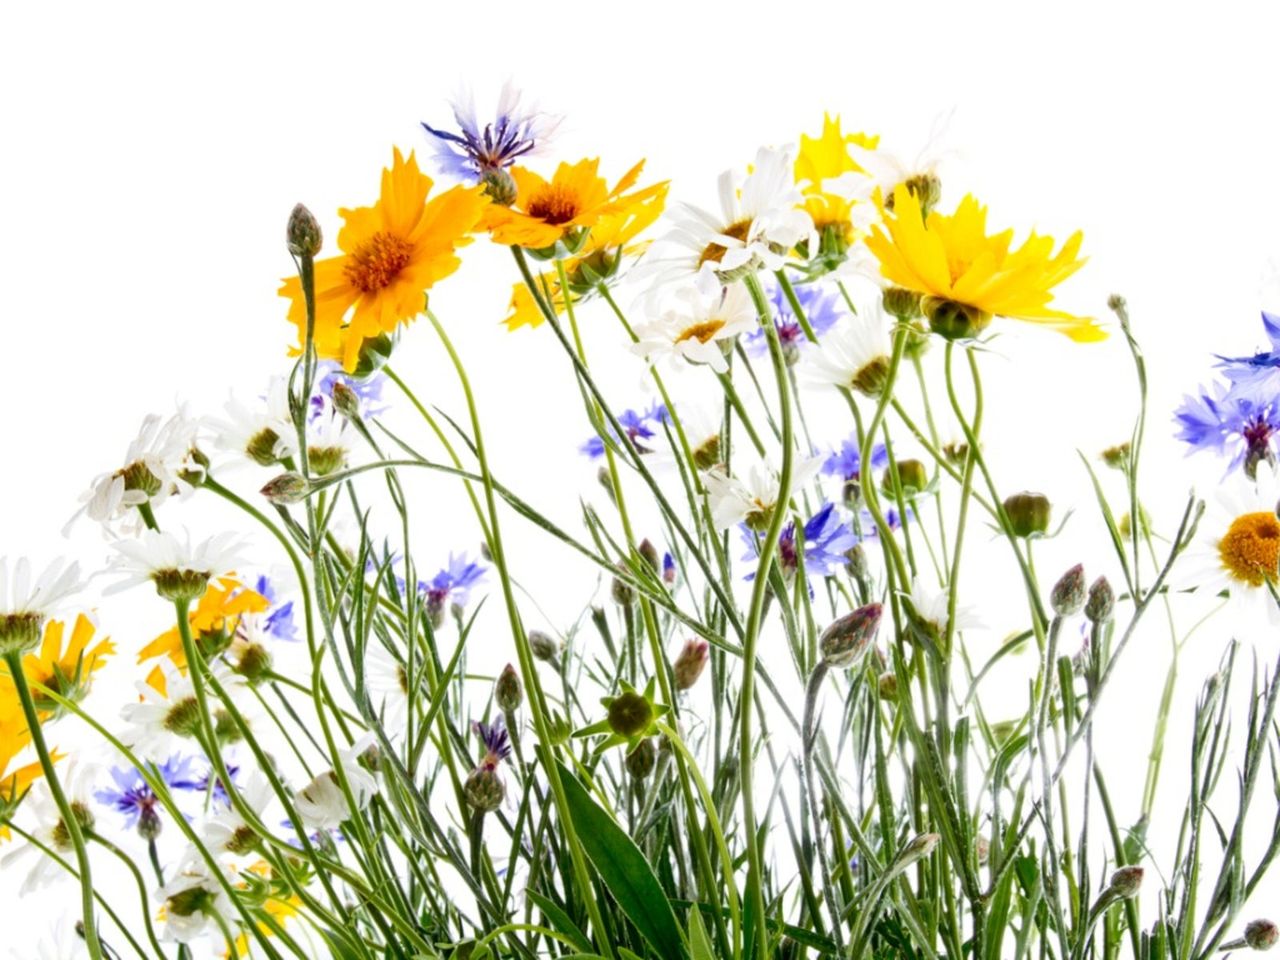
(554, 204)
(702, 332)
(1250, 551)
(715, 252)
(377, 262)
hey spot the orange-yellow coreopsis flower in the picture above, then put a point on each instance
(225, 599)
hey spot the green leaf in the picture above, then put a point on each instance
(699, 942)
(624, 871)
(560, 920)
(339, 948)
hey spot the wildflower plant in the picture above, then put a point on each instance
(781, 724)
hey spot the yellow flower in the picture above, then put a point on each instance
(14, 782)
(827, 155)
(608, 244)
(277, 909)
(392, 253)
(65, 671)
(574, 200)
(966, 276)
(225, 599)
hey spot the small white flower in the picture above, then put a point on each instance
(699, 329)
(261, 432)
(855, 354)
(27, 601)
(330, 440)
(76, 780)
(1238, 548)
(755, 228)
(930, 604)
(227, 833)
(388, 686)
(886, 170)
(156, 466)
(162, 724)
(193, 899)
(161, 557)
(322, 804)
(752, 495)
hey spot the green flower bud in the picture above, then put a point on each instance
(952, 320)
(1261, 935)
(856, 562)
(543, 646)
(1068, 594)
(374, 354)
(1117, 457)
(485, 789)
(630, 714)
(149, 823)
(887, 686)
(499, 186)
(642, 758)
(1126, 882)
(912, 474)
(845, 641)
(1101, 603)
(1028, 513)
(345, 401)
(287, 488)
(507, 692)
(303, 235)
(901, 303)
(650, 554)
(621, 591)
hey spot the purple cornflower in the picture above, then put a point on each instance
(452, 585)
(497, 743)
(279, 619)
(822, 308)
(1231, 421)
(472, 152)
(133, 796)
(367, 391)
(639, 425)
(212, 784)
(668, 569)
(1258, 368)
(827, 538)
(846, 462)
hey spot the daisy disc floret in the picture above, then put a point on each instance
(392, 253)
(966, 276)
(180, 570)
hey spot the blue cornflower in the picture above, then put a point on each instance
(1231, 421)
(639, 425)
(133, 796)
(497, 742)
(368, 391)
(279, 619)
(668, 569)
(822, 308)
(472, 152)
(846, 462)
(452, 585)
(1261, 366)
(211, 784)
(827, 538)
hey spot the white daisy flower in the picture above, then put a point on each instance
(1238, 548)
(885, 170)
(179, 569)
(27, 601)
(227, 834)
(193, 899)
(322, 804)
(754, 229)
(158, 464)
(262, 431)
(751, 496)
(388, 686)
(855, 354)
(160, 725)
(930, 604)
(76, 780)
(701, 328)
(330, 441)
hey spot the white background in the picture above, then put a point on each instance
(152, 153)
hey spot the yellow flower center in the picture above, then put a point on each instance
(554, 204)
(1250, 550)
(715, 252)
(702, 332)
(377, 262)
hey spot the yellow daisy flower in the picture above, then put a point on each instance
(836, 189)
(573, 201)
(225, 599)
(827, 155)
(392, 253)
(966, 276)
(64, 670)
(14, 782)
(606, 247)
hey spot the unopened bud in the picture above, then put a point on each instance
(690, 663)
(499, 186)
(542, 645)
(1126, 882)
(855, 562)
(901, 303)
(919, 848)
(507, 692)
(605, 479)
(485, 789)
(668, 569)
(912, 475)
(887, 686)
(650, 554)
(630, 714)
(346, 401)
(149, 823)
(1068, 594)
(1028, 513)
(1117, 457)
(303, 234)
(287, 488)
(254, 662)
(982, 848)
(642, 759)
(621, 591)
(845, 641)
(1261, 935)
(1101, 603)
